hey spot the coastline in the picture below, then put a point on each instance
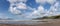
(51, 22)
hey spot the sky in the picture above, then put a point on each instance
(28, 9)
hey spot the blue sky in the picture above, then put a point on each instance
(28, 9)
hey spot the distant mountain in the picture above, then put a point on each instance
(49, 17)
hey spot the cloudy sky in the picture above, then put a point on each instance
(28, 9)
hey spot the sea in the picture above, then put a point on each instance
(22, 22)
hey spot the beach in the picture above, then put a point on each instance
(50, 22)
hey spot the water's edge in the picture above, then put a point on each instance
(21, 21)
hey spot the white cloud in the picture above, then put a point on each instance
(39, 13)
(17, 6)
(51, 1)
(21, 6)
(54, 10)
(13, 1)
(40, 1)
(23, 0)
(56, 4)
(36, 13)
(44, 1)
(14, 10)
(41, 8)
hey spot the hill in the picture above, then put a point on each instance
(49, 17)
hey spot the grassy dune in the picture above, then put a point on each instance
(48, 17)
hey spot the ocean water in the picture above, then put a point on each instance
(21, 22)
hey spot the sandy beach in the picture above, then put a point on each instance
(55, 22)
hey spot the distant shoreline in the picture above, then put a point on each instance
(28, 21)
(21, 21)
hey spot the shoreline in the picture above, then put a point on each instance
(51, 22)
